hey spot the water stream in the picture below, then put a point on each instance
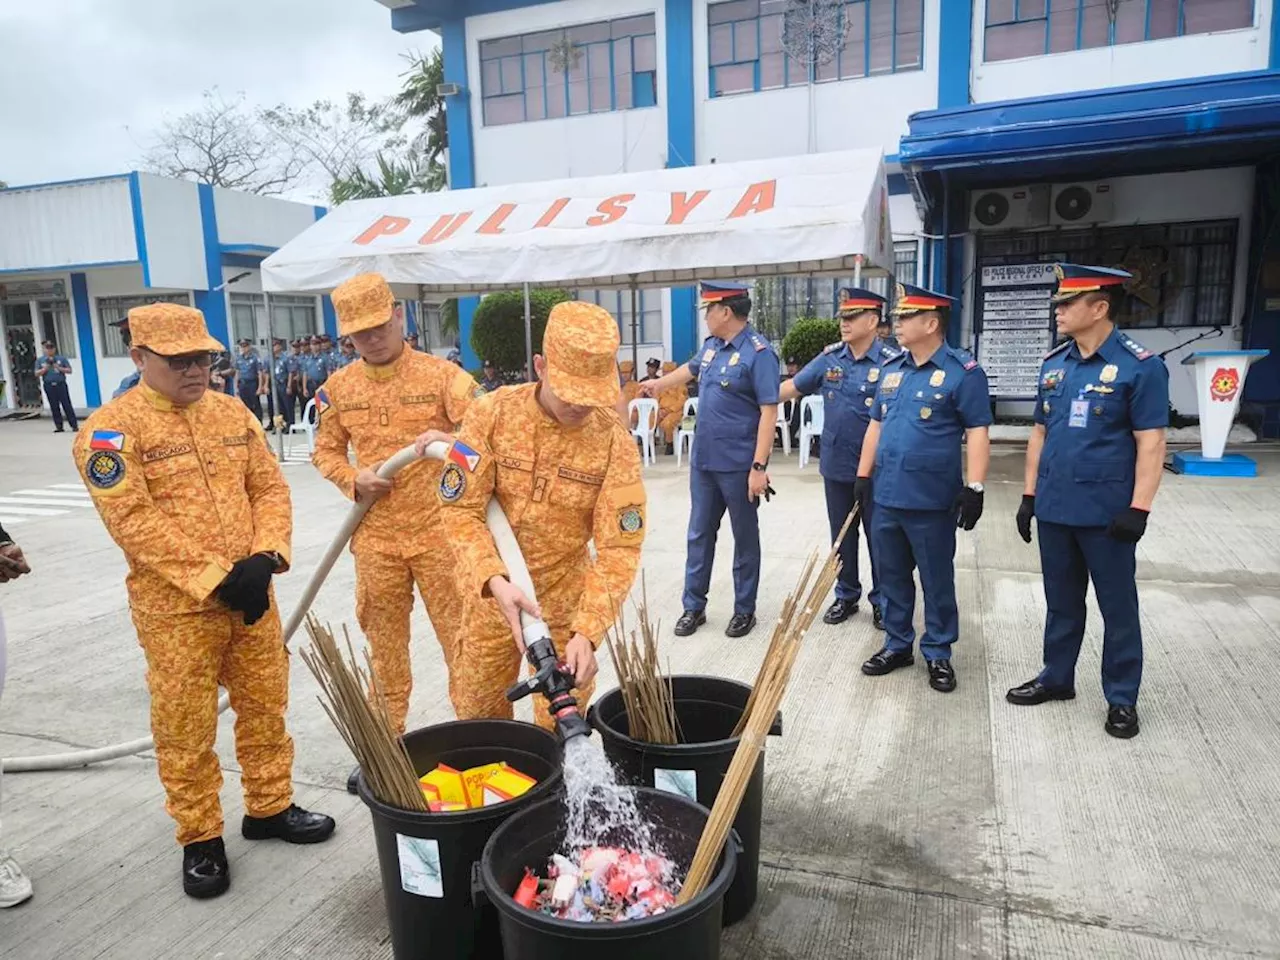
(600, 811)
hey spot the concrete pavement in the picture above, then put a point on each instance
(898, 822)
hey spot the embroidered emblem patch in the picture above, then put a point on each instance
(105, 469)
(453, 483)
(630, 520)
(478, 392)
(892, 380)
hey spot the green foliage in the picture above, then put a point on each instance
(808, 336)
(449, 318)
(497, 331)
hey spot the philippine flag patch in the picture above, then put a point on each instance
(106, 440)
(464, 456)
(322, 401)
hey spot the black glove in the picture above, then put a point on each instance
(1128, 527)
(862, 494)
(969, 503)
(1026, 510)
(245, 588)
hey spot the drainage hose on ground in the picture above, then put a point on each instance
(503, 537)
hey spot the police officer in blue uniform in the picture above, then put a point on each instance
(314, 371)
(845, 375)
(931, 396)
(250, 377)
(738, 380)
(281, 373)
(1094, 463)
(53, 369)
(346, 353)
(131, 381)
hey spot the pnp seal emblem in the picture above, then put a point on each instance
(105, 469)
(453, 483)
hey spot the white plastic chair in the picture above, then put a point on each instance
(810, 425)
(307, 426)
(784, 425)
(644, 410)
(690, 410)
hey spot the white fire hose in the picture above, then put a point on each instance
(503, 537)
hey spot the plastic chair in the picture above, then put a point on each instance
(784, 425)
(690, 410)
(810, 425)
(307, 426)
(644, 410)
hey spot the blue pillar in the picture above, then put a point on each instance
(1273, 59)
(212, 303)
(330, 316)
(955, 52)
(139, 231)
(681, 152)
(462, 166)
(84, 337)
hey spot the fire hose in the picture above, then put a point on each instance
(549, 680)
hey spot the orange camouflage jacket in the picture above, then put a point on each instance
(185, 492)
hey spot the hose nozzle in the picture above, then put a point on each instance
(553, 680)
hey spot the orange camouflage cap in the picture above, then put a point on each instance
(362, 303)
(581, 348)
(171, 330)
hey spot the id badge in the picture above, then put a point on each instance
(1079, 414)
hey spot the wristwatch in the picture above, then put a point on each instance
(762, 467)
(976, 487)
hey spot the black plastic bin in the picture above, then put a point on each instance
(707, 710)
(427, 858)
(687, 932)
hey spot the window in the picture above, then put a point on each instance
(748, 52)
(1185, 271)
(1031, 28)
(618, 303)
(55, 321)
(292, 317)
(111, 309)
(590, 68)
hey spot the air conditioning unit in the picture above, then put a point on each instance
(1080, 204)
(448, 89)
(1008, 208)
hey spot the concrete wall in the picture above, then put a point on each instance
(1169, 198)
(250, 220)
(63, 225)
(1177, 58)
(171, 223)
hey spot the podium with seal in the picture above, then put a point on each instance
(1219, 382)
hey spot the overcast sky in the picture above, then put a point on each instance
(83, 83)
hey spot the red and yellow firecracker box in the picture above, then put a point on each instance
(447, 783)
(506, 784)
(473, 782)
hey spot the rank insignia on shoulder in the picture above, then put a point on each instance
(104, 469)
(1059, 348)
(888, 352)
(833, 347)
(1134, 347)
(453, 483)
(758, 343)
(967, 359)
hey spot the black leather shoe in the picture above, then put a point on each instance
(689, 622)
(1122, 722)
(886, 661)
(205, 872)
(351, 781)
(1034, 692)
(941, 676)
(840, 611)
(293, 825)
(877, 618)
(740, 625)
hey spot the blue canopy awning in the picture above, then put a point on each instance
(1187, 124)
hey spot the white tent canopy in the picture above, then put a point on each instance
(815, 214)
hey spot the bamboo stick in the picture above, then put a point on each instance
(771, 684)
(646, 692)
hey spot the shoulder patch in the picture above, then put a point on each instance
(833, 347)
(966, 358)
(887, 352)
(453, 483)
(758, 343)
(104, 469)
(1059, 348)
(1134, 347)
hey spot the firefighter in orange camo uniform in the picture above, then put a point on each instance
(565, 472)
(379, 405)
(186, 485)
(671, 407)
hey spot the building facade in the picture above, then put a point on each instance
(77, 256)
(958, 94)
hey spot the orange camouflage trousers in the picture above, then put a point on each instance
(489, 661)
(384, 602)
(188, 656)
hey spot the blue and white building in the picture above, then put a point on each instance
(76, 256)
(1016, 131)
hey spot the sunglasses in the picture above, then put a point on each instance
(182, 364)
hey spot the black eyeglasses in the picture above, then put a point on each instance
(182, 364)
